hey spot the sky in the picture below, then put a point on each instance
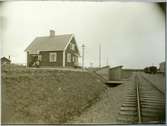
(131, 34)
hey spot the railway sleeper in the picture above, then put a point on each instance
(130, 99)
(151, 120)
(130, 102)
(150, 114)
(128, 105)
(150, 92)
(127, 119)
(158, 111)
(131, 96)
(151, 96)
(150, 99)
(128, 113)
(128, 108)
(153, 102)
(153, 107)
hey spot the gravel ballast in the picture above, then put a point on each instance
(105, 110)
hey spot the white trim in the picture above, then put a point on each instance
(69, 57)
(76, 47)
(72, 36)
(64, 59)
(69, 42)
(51, 54)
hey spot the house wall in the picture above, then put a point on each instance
(45, 59)
(29, 59)
(73, 52)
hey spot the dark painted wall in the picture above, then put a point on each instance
(73, 52)
(45, 58)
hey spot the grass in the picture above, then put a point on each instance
(46, 96)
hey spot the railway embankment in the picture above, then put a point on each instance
(106, 110)
(136, 101)
(158, 80)
(46, 95)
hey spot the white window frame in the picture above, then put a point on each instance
(69, 57)
(73, 46)
(73, 59)
(52, 57)
(40, 57)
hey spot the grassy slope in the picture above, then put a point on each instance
(46, 96)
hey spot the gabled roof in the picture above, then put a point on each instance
(116, 67)
(5, 59)
(49, 43)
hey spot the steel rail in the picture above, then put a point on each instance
(138, 100)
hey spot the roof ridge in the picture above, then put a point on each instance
(57, 42)
(55, 35)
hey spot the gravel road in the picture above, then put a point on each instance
(106, 109)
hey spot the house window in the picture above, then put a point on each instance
(72, 46)
(73, 58)
(68, 57)
(52, 57)
(76, 59)
(39, 57)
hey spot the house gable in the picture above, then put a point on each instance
(5, 60)
(71, 53)
(72, 42)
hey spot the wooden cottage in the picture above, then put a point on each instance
(5, 60)
(53, 50)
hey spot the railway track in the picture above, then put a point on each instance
(145, 103)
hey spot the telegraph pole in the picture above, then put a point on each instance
(99, 55)
(107, 61)
(91, 64)
(83, 54)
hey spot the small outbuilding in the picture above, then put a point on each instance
(5, 60)
(162, 67)
(115, 73)
(53, 51)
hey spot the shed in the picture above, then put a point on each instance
(5, 60)
(162, 67)
(115, 73)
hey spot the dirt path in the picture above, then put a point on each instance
(107, 108)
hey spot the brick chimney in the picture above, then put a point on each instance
(52, 33)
